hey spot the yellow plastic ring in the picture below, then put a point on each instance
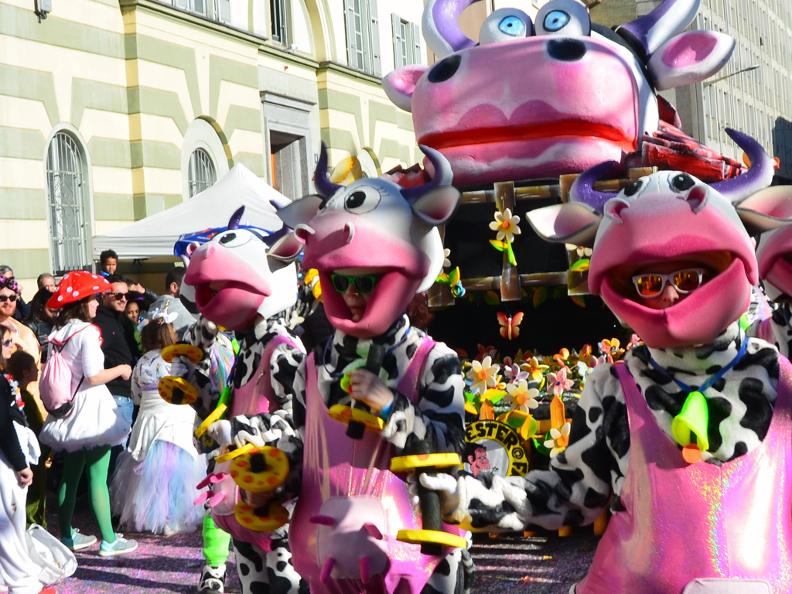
(439, 460)
(439, 537)
(214, 416)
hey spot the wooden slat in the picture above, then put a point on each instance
(510, 276)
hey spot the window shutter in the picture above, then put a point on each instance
(224, 10)
(415, 32)
(349, 17)
(183, 4)
(397, 41)
(376, 69)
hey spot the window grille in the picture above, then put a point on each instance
(67, 195)
(200, 173)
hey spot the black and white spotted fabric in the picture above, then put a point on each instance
(777, 328)
(437, 417)
(268, 573)
(589, 475)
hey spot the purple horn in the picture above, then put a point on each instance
(441, 27)
(324, 186)
(443, 176)
(583, 188)
(233, 222)
(651, 31)
(758, 177)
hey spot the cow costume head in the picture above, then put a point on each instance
(774, 251)
(669, 216)
(374, 226)
(552, 97)
(242, 272)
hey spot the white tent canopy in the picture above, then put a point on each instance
(155, 236)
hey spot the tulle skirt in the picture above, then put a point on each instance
(156, 495)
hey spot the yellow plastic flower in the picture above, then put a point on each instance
(506, 225)
(559, 439)
(483, 375)
(534, 368)
(523, 397)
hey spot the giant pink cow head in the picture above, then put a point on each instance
(242, 272)
(669, 216)
(556, 97)
(374, 225)
(774, 250)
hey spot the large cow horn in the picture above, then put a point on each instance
(233, 222)
(443, 176)
(441, 27)
(324, 186)
(583, 188)
(758, 177)
(651, 31)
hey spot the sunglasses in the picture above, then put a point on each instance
(120, 296)
(651, 284)
(363, 284)
(11, 298)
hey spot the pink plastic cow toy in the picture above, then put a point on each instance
(558, 96)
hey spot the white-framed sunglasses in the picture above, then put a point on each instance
(651, 284)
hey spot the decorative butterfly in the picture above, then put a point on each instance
(452, 279)
(510, 325)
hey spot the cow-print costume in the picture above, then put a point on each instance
(259, 571)
(776, 329)
(589, 475)
(436, 417)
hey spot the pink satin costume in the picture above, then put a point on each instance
(357, 505)
(682, 522)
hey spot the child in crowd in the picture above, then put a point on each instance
(154, 485)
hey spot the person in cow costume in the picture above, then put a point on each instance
(375, 245)
(775, 269)
(243, 279)
(561, 94)
(687, 441)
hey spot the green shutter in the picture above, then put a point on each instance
(376, 69)
(415, 33)
(398, 60)
(349, 18)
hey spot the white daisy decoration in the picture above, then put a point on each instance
(559, 439)
(483, 374)
(447, 258)
(523, 397)
(506, 225)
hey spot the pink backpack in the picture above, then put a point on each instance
(57, 384)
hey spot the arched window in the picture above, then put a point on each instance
(201, 172)
(67, 190)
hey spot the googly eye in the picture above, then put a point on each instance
(632, 188)
(505, 24)
(681, 182)
(563, 17)
(361, 199)
(233, 239)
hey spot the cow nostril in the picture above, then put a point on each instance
(444, 69)
(567, 50)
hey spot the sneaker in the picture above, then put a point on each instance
(120, 546)
(212, 580)
(78, 541)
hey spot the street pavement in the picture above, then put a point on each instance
(542, 564)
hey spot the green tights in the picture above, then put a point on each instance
(96, 461)
(215, 543)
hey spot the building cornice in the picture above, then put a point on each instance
(347, 71)
(184, 16)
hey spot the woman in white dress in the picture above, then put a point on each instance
(154, 485)
(92, 426)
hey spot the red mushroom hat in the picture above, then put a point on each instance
(77, 285)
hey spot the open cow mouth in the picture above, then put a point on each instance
(206, 292)
(570, 129)
(713, 263)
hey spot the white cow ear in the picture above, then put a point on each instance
(437, 205)
(300, 211)
(284, 251)
(690, 58)
(572, 222)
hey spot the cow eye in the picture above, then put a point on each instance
(362, 199)
(563, 17)
(633, 187)
(505, 24)
(682, 182)
(233, 239)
